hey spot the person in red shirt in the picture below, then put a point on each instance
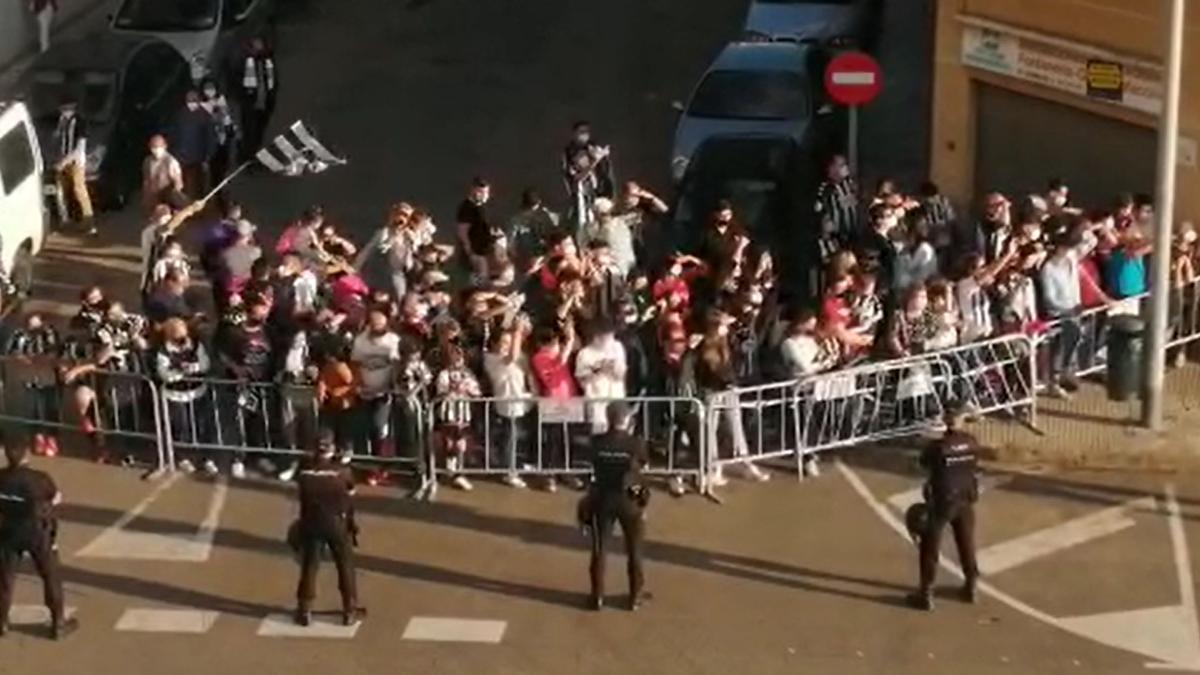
(557, 387)
(836, 314)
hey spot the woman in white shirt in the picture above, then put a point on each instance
(508, 372)
(600, 368)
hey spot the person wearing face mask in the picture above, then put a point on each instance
(155, 235)
(598, 164)
(723, 243)
(70, 141)
(1061, 301)
(246, 355)
(259, 87)
(876, 250)
(194, 139)
(162, 176)
(180, 363)
(837, 199)
(375, 355)
(213, 102)
(716, 378)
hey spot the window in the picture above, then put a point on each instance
(169, 16)
(750, 95)
(16, 158)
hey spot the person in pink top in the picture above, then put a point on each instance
(551, 365)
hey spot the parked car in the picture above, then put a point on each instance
(126, 89)
(839, 23)
(22, 218)
(764, 88)
(771, 181)
(209, 34)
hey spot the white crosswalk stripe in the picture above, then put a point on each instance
(157, 620)
(448, 629)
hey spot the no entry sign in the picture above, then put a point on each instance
(853, 78)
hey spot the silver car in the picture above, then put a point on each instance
(209, 34)
(752, 88)
(829, 22)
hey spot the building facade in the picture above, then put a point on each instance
(1028, 90)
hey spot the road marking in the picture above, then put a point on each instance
(1183, 653)
(34, 615)
(147, 620)
(323, 627)
(902, 500)
(117, 543)
(454, 630)
(130, 515)
(1015, 552)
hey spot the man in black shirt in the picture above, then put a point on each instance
(951, 493)
(617, 494)
(326, 519)
(475, 234)
(27, 525)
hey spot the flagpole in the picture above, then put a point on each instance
(228, 178)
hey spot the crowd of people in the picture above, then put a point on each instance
(539, 308)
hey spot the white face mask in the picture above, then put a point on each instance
(1060, 200)
(158, 153)
(1189, 236)
(192, 105)
(210, 93)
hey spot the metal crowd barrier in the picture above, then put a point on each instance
(998, 374)
(871, 403)
(121, 411)
(757, 423)
(206, 417)
(551, 438)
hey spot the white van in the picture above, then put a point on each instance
(22, 216)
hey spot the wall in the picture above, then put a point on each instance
(1128, 27)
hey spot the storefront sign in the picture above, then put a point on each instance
(1063, 66)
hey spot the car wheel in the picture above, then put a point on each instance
(21, 275)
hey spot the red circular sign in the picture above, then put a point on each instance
(853, 78)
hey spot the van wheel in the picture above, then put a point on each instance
(22, 271)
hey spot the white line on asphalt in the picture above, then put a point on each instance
(902, 500)
(454, 630)
(1015, 552)
(121, 544)
(326, 627)
(1166, 654)
(130, 515)
(33, 615)
(148, 620)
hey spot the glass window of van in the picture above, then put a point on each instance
(16, 158)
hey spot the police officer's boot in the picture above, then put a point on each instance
(302, 617)
(595, 602)
(636, 600)
(353, 615)
(968, 591)
(61, 628)
(921, 599)
(3, 628)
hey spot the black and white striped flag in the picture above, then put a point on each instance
(297, 151)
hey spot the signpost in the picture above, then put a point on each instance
(853, 79)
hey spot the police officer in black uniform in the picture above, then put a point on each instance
(27, 525)
(326, 520)
(951, 492)
(617, 493)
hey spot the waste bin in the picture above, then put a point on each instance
(1124, 357)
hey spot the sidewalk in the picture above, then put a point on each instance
(68, 26)
(1091, 431)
